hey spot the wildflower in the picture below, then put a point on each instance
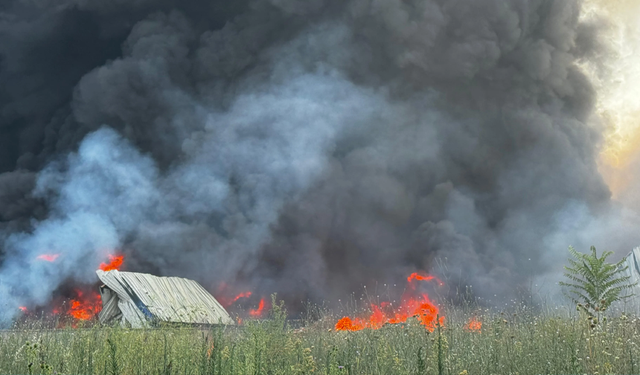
(340, 367)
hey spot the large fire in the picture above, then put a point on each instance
(412, 304)
(85, 304)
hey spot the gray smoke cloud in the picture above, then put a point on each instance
(303, 147)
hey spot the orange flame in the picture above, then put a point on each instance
(421, 277)
(241, 295)
(257, 313)
(223, 295)
(23, 309)
(226, 302)
(48, 257)
(420, 307)
(115, 262)
(473, 325)
(85, 308)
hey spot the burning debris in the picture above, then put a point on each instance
(138, 299)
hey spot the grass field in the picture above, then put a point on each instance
(513, 343)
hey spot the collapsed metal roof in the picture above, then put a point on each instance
(139, 299)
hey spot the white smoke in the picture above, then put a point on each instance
(241, 168)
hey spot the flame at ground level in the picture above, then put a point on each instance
(412, 305)
(257, 313)
(422, 308)
(85, 307)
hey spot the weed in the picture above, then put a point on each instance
(522, 344)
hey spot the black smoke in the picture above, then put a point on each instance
(304, 147)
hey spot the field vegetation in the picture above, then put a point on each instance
(518, 342)
(590, 338)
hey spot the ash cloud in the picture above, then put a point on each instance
(304, 147)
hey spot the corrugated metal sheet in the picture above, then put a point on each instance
(141, 298)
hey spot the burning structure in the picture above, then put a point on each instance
(138, 299)
(315, 146)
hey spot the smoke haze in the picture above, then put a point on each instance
(303, 147)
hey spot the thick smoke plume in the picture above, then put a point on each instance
(304, 147)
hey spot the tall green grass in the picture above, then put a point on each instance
(514, 343)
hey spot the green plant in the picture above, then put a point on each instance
(595, 284)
